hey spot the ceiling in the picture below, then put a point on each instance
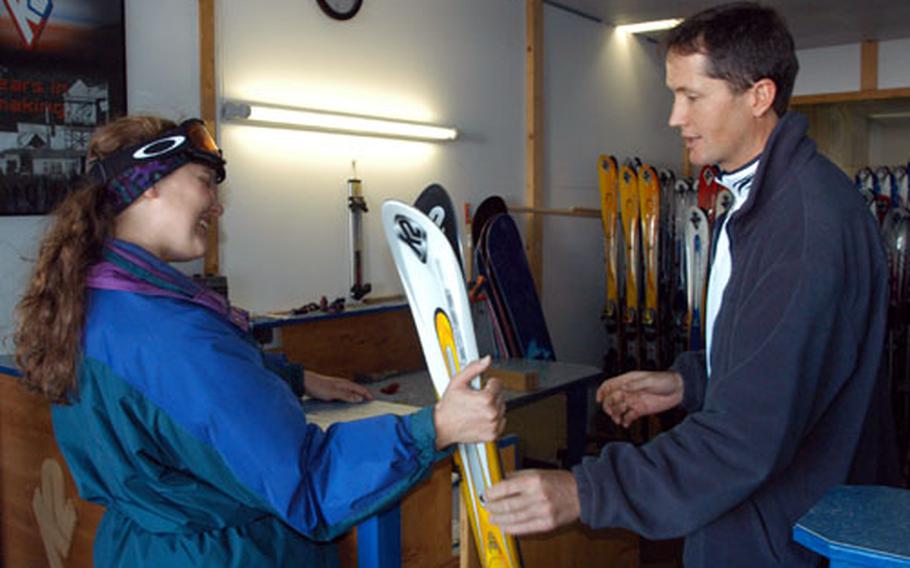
(813, 23)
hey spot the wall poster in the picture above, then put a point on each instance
(62, 72)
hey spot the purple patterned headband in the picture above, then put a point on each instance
(128, 185)
(128, 172)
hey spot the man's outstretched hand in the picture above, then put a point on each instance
(629, 396)
(533, 501)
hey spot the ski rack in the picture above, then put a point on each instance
(570, 212)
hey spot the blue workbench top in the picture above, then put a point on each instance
(553, 377)
(859, 525)
(270, 320)
(8, 365)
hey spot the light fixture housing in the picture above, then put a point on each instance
(335, 122)
(652, 26)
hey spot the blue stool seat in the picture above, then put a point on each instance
(855, 525)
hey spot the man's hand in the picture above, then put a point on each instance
(324, 387)
(465, 415)
(533, 501)
(632, 395)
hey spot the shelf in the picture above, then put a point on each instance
(853, 97)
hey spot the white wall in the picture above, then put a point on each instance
(455, 63)
(603, 93)
(894, 64)
(837, 68)
(831, 69)
(889, 142)
(162, 58)
(18, 245)
(162, 67)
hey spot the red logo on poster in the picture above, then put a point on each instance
(30, 17)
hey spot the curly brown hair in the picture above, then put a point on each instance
(51, 313)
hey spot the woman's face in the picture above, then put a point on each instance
(173, 216)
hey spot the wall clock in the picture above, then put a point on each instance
(340, 9)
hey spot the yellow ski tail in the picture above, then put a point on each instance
(649, 194)
(609, 177)
(496, 549)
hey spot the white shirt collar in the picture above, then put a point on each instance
(739, 181)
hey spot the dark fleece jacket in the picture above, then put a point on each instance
(794, 405)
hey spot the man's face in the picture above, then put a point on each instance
(715, 122)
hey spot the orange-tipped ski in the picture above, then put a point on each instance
(629, 210)
(608, 177)
(649, 196)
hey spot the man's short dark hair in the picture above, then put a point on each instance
(744, 42)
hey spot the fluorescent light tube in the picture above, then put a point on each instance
(327, 121)
(652, 26)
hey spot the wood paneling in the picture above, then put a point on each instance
(426, 524)
(686, 164)
(841, 133)
(541, 428)
(571, 212)
(577, 545)
(426, 520)
(851, 96)
(534, 135)
(868, 66)
(355, 343)
(208, 105)
(26, 440)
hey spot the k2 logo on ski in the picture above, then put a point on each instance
(413, 236)
(30, 17)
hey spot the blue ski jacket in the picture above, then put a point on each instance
(794, 405)
(202, 455)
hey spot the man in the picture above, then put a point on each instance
(785, 402)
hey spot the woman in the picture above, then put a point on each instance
(167, 412)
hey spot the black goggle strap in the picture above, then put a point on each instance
(190, 138)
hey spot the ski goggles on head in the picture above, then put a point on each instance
(128, 172)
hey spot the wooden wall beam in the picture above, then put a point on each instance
(534, 131)
(868, 66)
(570, 212)
(851, 96)
(686, 163)
(208, 110)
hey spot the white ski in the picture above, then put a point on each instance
(697, 245)
(434, 284)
